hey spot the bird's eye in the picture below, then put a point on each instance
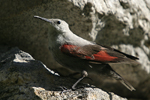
(58, 22)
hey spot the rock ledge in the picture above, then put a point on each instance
(23, 78)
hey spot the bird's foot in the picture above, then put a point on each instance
(84, 85)
(84, 74)
(64, 89)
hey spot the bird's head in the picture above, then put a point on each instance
(58, 24)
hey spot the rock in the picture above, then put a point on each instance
(24, 78)
(81, 94)
(130, 20)
(136, 51)
(126, 20)
(124, 24)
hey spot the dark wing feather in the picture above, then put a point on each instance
(127, 55)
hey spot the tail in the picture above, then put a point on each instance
(127, 85)
(105, 69)
(123, 81)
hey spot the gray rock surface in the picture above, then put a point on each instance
(144, 60)
(81, 94)
(134, 17)
(124, 24)
(24, 78)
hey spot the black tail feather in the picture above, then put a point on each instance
(127, 55)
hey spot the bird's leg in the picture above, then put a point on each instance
(84, 74)
(64, 89)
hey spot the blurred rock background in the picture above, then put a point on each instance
(122, 24)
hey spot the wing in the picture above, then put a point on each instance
(96, 53)
(127, 55)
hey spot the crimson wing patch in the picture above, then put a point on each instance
(89, 52)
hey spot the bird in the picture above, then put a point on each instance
(81, 55)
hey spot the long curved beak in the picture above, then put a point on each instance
(45, 19)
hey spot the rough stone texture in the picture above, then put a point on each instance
(23, 78)
(81, 94)
(128, 21)
(144, 60)
(124, 24)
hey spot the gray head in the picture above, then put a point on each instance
(59, 24)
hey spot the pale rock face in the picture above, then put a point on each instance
(136, 51)
(144, 60)
(129, 12)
